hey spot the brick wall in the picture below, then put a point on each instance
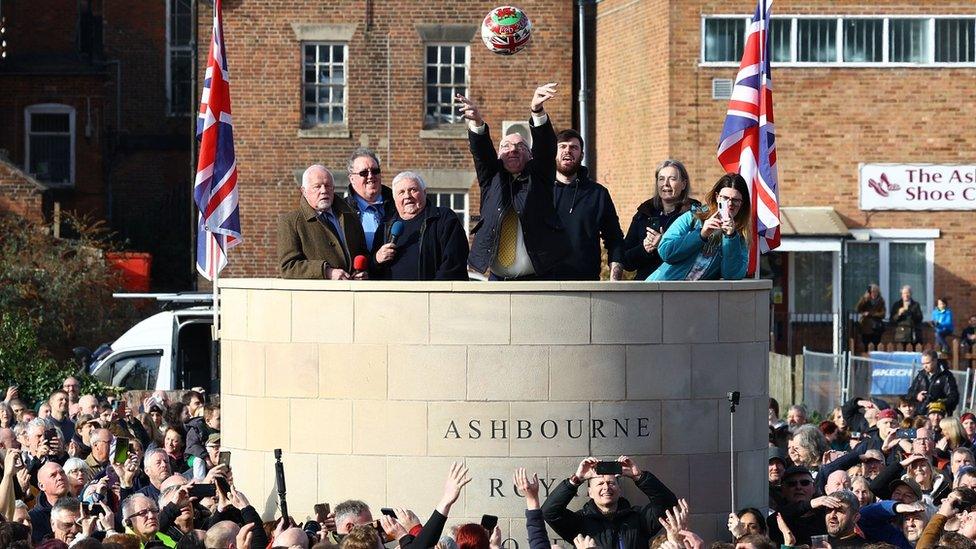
(20, 193)
(828, 121)
(266, 75)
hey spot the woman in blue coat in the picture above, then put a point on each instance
(710, 242)
(943, 324)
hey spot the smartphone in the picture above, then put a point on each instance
(655, 224)
(723, 209)
(488, 522)
(50, 434)
(92, 509)
(906, 434)
(203, 491)
(222, 484)
(388, 512)
(609, 468)
(121, 450)
(224, 459)
(322, 511)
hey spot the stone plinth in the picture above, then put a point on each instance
(372, 389)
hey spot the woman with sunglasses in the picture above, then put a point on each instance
(711, 242)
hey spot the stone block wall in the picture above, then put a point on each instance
(371, 390)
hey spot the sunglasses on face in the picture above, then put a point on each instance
(367, 171)
(794, 483)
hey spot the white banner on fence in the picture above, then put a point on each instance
(917, 187)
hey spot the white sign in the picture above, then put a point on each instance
(917, 187)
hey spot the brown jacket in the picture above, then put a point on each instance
(305, 244)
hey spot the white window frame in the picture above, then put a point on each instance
(839, 62)
(50, 108)
(467, 204)
(884, 238)
(188, 48)
(467, 78)
(345, 85)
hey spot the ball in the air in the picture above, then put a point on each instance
(506, 30)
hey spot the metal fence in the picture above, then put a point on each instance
(830, 379)
(824, 377)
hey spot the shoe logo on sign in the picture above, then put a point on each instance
(883, 186)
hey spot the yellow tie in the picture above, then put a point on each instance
(508, 239)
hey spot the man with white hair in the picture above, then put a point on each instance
(432, 244)
(323, 236)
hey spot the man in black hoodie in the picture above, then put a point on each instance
(584, 209)
(606, 517)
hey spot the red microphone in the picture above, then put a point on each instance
(359, 264)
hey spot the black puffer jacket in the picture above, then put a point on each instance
(630, 527)
(636, 257)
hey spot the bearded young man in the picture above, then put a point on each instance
(584, 209)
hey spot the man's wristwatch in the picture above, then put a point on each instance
(540, 111)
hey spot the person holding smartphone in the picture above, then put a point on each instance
(671, 198)
(606, 517)
(710, 242)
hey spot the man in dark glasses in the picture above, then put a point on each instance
(369, 197)
(804, 514)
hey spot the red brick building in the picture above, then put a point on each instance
(855, 82)
(311, 81)
(95, 115)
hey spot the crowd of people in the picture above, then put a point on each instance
(874, 473)
(905, 320)
(80, 470)
(87, 471)
(542, 218)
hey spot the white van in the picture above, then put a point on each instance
(170, 350)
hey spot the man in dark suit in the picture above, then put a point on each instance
(519, 236)
(322, 237)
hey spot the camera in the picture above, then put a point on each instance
(733, 397)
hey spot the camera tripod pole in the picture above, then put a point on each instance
(733, 401)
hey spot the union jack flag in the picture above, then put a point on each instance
(748, 143)
(215, 188)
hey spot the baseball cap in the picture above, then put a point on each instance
(887, 413)
(872, 454)
(776, 452)
(796, 470)
(910, 482)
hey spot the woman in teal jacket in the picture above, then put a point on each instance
(710, 242)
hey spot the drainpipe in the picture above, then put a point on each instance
(584, 90)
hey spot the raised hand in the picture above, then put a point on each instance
(735, 526)
(456, 480)
(469, 111)
(392, 527)
(788, 537)
(584, 542)
(712, 224)
(495, 539)
(543, 93)
(407, 518)
(628, 467)
(244, 536)
(529, 486)
(586, 469)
